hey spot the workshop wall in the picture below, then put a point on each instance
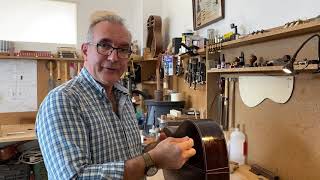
(149, 7)
(283, 137)
(129, 10)
(249, 15)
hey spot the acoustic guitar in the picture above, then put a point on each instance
(211, 160)
(154, 38)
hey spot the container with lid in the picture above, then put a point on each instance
(237, 146)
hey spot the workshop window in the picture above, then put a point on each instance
(44, 21)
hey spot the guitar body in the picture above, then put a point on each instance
(154, 38)
(211, 160)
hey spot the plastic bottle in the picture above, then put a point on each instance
(223, 62)
(237, 146)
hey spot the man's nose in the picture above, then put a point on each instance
(113, 56)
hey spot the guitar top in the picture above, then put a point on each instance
(154, 38)
(211, 160)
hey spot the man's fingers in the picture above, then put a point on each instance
(188, 153)
(186, 144)
(179, 140)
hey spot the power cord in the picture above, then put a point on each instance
(289, 68)
(32, 156)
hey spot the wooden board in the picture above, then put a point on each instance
(19, 132)
(265, 69)
(277, 133)
(275, 34)
(15, 119)
(242, 173)
(283, 137)
(194, 98)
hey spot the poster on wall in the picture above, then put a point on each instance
(18, 89)
(206, 12)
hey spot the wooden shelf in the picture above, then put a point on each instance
(269, 35)
(275, 34)
(265, 69)
(150, 82)
(41, 58)
(145, 60)
(19, 132)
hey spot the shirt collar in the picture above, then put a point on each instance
(95, 84)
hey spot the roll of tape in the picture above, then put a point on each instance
(176, 96)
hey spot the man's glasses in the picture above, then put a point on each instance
(107, 49)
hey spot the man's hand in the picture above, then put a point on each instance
(172, 153)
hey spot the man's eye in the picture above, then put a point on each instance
(105, 46)
(123, 50)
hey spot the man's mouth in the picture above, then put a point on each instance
(110, 68)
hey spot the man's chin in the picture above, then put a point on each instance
(109, 81)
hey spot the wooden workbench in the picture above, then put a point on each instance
(17, 132)
(242, 173)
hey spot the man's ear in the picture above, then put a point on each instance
(84, 49)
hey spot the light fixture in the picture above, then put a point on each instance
(289, 68)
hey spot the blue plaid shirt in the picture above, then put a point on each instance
(79, 134)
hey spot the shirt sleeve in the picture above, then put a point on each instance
(64, 141)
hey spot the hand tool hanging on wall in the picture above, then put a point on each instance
(225, 121)
(196, 72)
(179, 67)
(78, 67)
(51, 83)
(193, 81)
(188, 74)
(201, 72)
(232, 102)
(58, 82)
(65, 71)
(221, 100)
(158, 93)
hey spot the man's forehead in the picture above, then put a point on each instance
(114, 32)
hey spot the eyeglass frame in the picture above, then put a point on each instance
(111, 50)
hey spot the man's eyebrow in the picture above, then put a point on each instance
(105, 40)
(124, 45)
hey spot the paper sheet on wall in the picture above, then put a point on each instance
(18, 85)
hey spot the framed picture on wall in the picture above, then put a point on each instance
(206, 12)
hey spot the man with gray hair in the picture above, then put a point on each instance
(87, 127)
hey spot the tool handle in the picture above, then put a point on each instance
(58, 70)
(66, 71)
(50, 69)
(78, 67)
